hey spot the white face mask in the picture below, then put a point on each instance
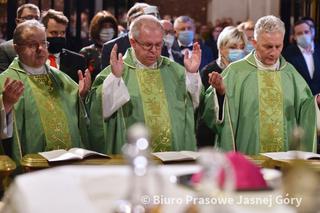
(304, 40)
(168, 40)
(106, 34)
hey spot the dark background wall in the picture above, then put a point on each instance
(197, 9)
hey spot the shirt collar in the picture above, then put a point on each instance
(180, 45)
(34, 71)
(57, 55)
(306, 51)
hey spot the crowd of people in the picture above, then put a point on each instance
(228, 87)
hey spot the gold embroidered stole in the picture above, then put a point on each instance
(53, 118)
(270, 111)
(155, 108)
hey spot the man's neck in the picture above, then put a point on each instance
(141, 65)
(263, 66)
(310, 47)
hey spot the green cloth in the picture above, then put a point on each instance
(155, 108)
(174, 100)
(261, 108)
(48, 114)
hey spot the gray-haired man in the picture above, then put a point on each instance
(265, 98)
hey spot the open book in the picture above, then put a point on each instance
(177, 156)
(71, 154)
(290, 155)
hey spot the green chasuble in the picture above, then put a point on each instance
(261, 108)
(158, 98)
(48, 114)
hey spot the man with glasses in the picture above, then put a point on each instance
(41, 107)
(168, 39)
(7, 52)
(123, 41)
(146, 87)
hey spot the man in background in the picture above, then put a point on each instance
(65, 60)
(184, 28)
(7, 52)
(168, 39)
(248, 28)
(304, 55)
(123, 41)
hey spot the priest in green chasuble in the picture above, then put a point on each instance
(144, 86)
(262, 98)
(41, 107)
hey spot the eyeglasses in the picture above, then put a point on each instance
(35, 45)
(149, 46)
(25, 18)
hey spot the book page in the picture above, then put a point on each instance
(174, 156)
(192, 154)
(304, 155)
(85, 153)
(71, 154)
(58, 155)
(290, 155)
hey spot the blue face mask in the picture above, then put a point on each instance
(235, 54)
(304, 40)
(248, 48)
(186, 37)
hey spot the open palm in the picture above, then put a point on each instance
(192, 63)
(84, 82)
(12, 91)
(116, 62)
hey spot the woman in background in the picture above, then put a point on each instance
(103, 28)
(231, 47)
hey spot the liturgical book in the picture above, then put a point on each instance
(71, 154)
(290, 155)
(177, 156)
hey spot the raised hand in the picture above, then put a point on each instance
(12, 91)
(192, 63)
(84, 82)
(116, 62)
(216, 81)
